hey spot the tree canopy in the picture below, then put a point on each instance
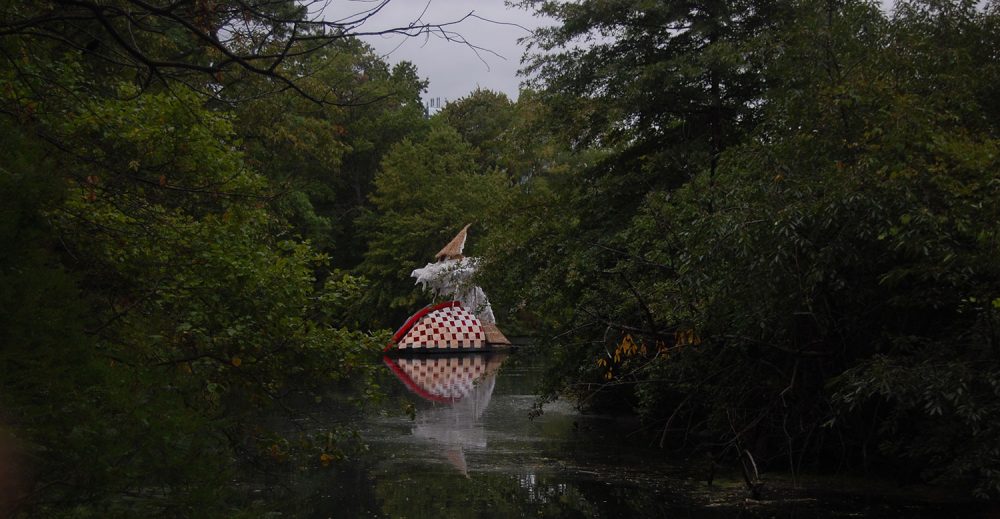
(767, 228)
(777, 237)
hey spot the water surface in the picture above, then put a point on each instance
(457, 440)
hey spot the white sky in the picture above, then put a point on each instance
(454, 69)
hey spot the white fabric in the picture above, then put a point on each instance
(474, 299)
(445, 277)
(451, 279)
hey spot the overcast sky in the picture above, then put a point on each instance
(454, 69)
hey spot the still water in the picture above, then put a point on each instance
(458, 441)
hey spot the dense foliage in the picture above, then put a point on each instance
(786, 249)
(769, 228)
(423, 192)
(168, 240)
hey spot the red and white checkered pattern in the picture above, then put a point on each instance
(446, 328)
(444, 378)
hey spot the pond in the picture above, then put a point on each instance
(468, 447)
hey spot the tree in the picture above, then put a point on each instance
(652, 99)
(177, 312)
(155, 306)
(483, 119)
(323, 158)
(820, 293)
(667, 85)
(208, 46)
(425, 192)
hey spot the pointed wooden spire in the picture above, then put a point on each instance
(455, 247)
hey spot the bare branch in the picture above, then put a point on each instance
(180, 39)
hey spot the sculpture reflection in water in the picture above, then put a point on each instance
(460, 387)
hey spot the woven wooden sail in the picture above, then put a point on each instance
(493, 335)
(455, 247)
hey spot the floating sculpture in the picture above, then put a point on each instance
(463, 323)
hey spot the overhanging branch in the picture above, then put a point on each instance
(169, 40)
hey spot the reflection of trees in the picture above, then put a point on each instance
(447, 495)
(498, 495)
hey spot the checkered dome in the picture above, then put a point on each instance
(445, 328)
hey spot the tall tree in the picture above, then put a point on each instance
(667, 85)
(483, 118)
(654, 92)
(155, 304)
(323, 158)
(828, 278)
(426, 190)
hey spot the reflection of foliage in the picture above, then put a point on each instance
(361, 490)
(447, 494)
